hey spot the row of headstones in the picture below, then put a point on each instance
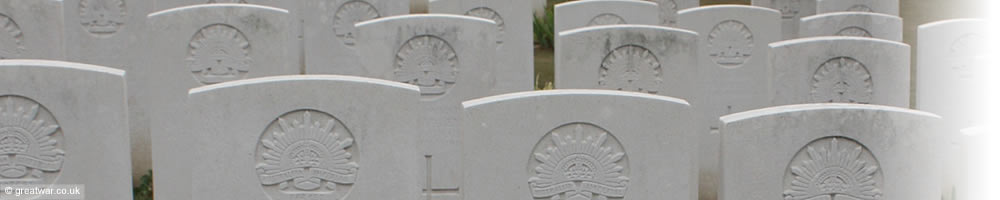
(177, 48)
(346, 137)
(744, 61)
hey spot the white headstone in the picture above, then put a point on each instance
(640, 58)
(515, 42)
(304, 137)
(830, 151)
(203, 45)
(980, 159)
(791, 12)
(890, 7)
(669, 9)
(951, 60)
(579, 144)
(31, 29)
(732, 72)
(856, 24)
(66, 124)
(579, 14)
(107, 33)
(330, 36)
(840, 70)
(283, 4)
(450, 57)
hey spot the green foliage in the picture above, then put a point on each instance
(544, 29)
(145, 189)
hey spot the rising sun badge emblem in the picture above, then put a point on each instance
(578, 162)
(833, 168)
(307, 153)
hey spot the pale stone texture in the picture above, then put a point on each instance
(791, 12)
(349, 132)
(831, 151)
(640, 58)
(578, 14)
(203, 45)
(80, 114)
(283, 4)
(951, 60)
(330, 36)
(732, 72)
(857, 24)
(620, 145)
(515, 43)
(889, 7)
(840, 70)
(106, 33)
(669, 9)
(979, 162)
(450, 57)
(32, 29)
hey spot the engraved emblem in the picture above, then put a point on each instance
(11, 40)
(631, 68)
(227, 1)
(730, 44)
(307, 154)
(668, 11)
(966, 52)
(578, 161)
(842, 80)
(30, 143)
(428, 62)
(860, 8)
(102, 17)
(349, 14)
(219, 53)
(833, 168)
(606, 19)
(487, 13)
(789, 8)
(854, 31)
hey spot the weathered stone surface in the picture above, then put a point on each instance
(451, 59)
(515, 43)
(641, 58)
(579, 14)
(32, 29)
(579, 144)
(831, 151)
(791, 12)
(203, 45)
(107, 33)
(889, 7)
(669, 9)
(856, 24)
(330, 36)
(731, 75)
(840, 70)
(65, 123)
(311, 136)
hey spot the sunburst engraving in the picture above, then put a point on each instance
(578, 161)
(668, 11)
(730, 44)
(30, 143)
(490, 14)
(102, 17)
(307, 154)
(789, 8)
(219, 53)
(11, 40)
(842, 80)
(966, 52)
(860, 8)
(429, 63)
(854, 31)
(347, 15)
(631, 68)
(833, 168)
(606, 19)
